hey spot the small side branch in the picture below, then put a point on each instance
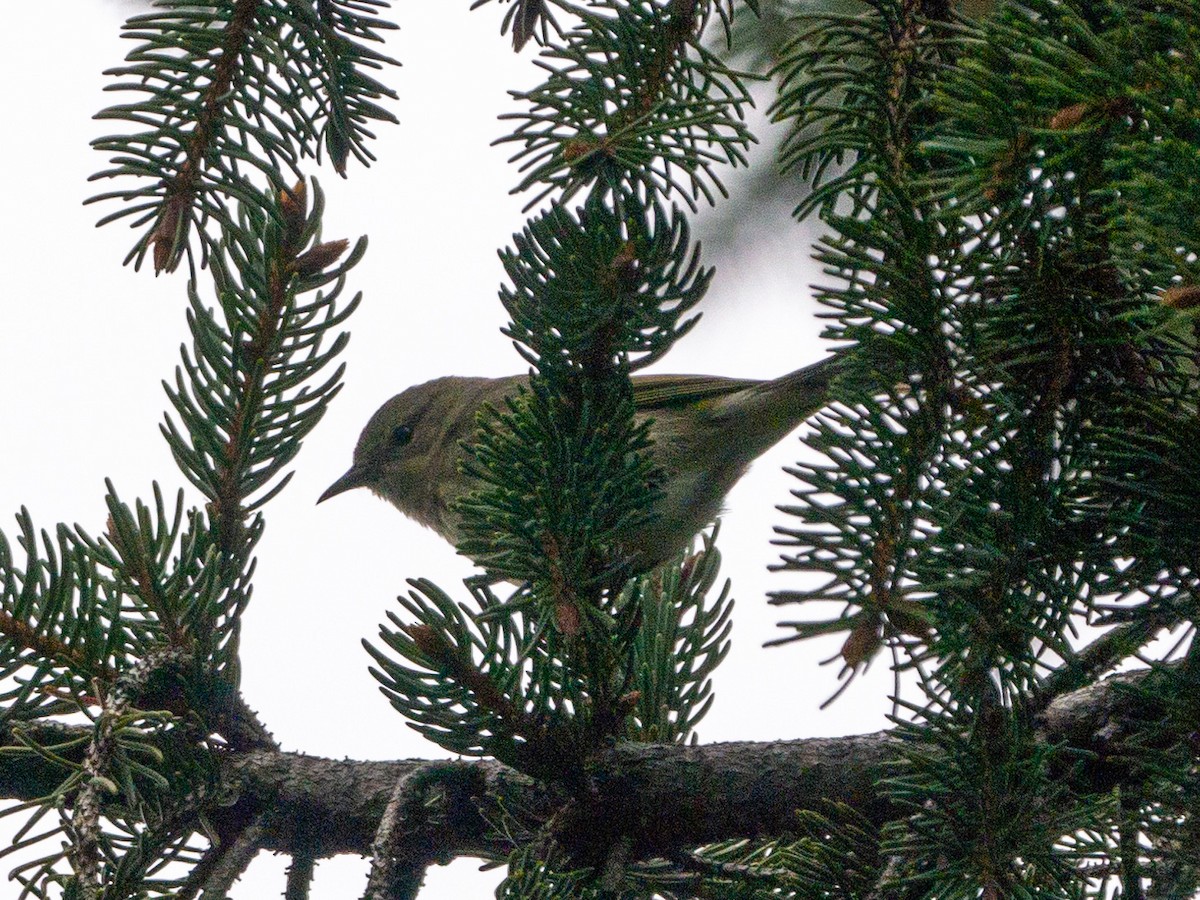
(299, 877)
(84, 828)
(413, 829)
(228, 863)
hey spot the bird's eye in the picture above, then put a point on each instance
(401, 435)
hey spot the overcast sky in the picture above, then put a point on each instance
(85, 344)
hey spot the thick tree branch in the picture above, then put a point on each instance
(658, 797)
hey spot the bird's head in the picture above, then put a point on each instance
(399, 452)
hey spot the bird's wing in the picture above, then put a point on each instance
(658, 391)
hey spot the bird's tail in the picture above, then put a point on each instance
(771, 409)
(806, 390)
(799, 394)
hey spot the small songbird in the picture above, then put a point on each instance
(706, 431)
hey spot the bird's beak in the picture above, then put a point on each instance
(356, 477)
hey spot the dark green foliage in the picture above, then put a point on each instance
(626, 108)
(835, 855)
(853, 89)
(831, 856)
(1001, 259)
(137, 629)
(884, 446)
(594, 296)
(556, 670)
(610, 285)
(579, 656)
(681, 640)
(495, 678)
(234, 93)
(981, 810)
(1006, 505)
(587, 485)
(266, 340)
(532, 877)
(39, 596)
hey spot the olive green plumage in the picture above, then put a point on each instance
(706, 431)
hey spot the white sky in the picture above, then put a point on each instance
(85, 343)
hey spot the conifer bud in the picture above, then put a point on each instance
(1182, 296)
(293, 204)
(319, 257)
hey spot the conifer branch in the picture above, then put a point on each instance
(84, 829)
(46, 646)
(1102, 655)
(230, 86)
(225, 861)
(1015, 453)
(666, 797)
(626, 105)
(168, 239)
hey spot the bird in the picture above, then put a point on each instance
(705, 432)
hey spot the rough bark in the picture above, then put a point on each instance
(661, 798)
